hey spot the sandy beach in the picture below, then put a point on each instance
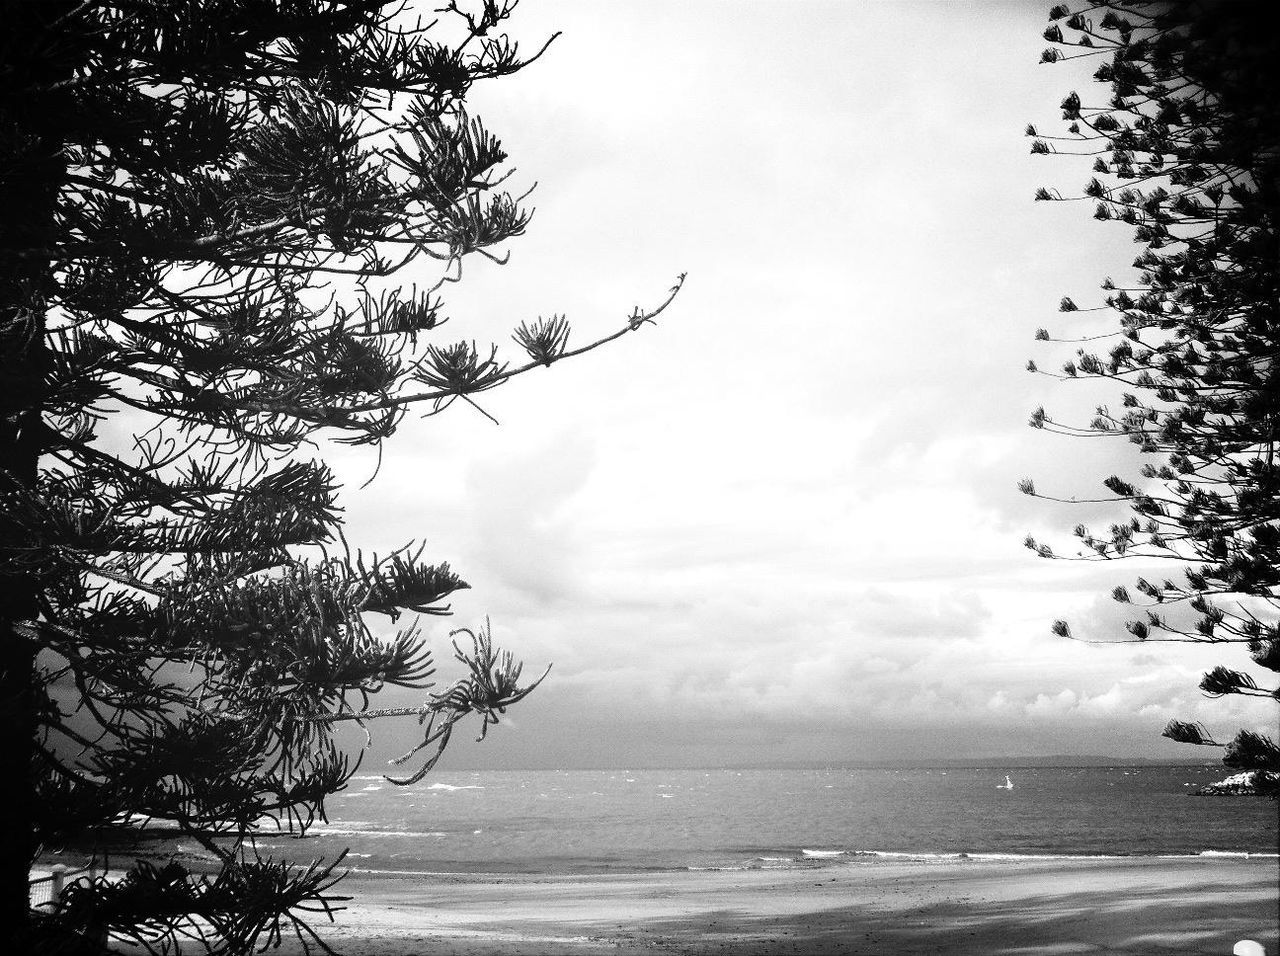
(1139, 906)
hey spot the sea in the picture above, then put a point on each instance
(600, 821)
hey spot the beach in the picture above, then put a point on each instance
(1138, 905)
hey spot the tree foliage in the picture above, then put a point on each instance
(1186, 151)
(206, 204)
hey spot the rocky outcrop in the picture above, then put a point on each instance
(1249, 783)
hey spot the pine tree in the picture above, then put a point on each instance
(205, 206)
(1187, 153)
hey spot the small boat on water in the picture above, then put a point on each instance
(1007, 785)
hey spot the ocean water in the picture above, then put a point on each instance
(547, 821)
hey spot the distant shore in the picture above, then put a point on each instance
(1134, 905)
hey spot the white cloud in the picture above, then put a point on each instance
(791, 504)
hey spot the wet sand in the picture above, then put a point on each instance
(1133, 906)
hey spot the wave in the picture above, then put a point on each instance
(811, 858)
(373, 872)
(376, 780)
(464, 873)
(352, 831)
(1016, 857)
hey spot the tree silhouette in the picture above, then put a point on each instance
(1187, 152)
(206, 202)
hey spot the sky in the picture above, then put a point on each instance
(783, 524)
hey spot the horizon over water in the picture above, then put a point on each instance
(573, 821)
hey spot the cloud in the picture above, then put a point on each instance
(522, 534)
(785, 520)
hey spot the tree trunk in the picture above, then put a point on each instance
(32, 169)
(22, 362)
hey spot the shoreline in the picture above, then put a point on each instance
(1138, 905)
